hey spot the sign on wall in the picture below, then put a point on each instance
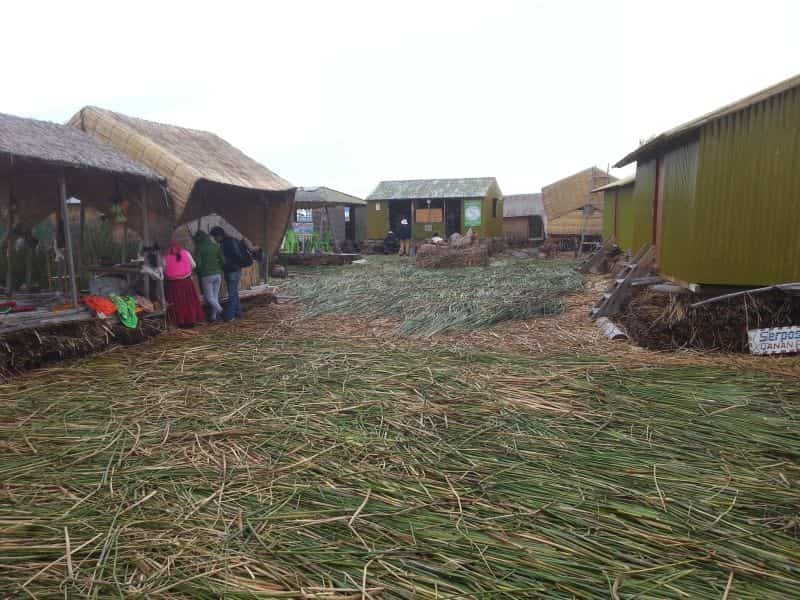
(778, 340)
(472, 213)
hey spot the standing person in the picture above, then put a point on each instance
(232, 271)
(210, 264)
(404, 235)
(184, 304)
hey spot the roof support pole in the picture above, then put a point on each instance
(62, 199)
(125, 241)
(9, 245)
(145, 233)
(264, 251)
(81, 229)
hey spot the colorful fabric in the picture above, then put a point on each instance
(178, 262)
(126, 311)
(100, 305)
(184, 303)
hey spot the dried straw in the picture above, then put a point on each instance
(249, 462)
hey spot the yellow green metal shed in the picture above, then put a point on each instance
(618, 212)
(719, 197)
(442, 206)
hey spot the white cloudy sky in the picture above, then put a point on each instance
(346, 93)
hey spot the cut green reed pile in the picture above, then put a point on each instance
(245, 463)
(429, 301)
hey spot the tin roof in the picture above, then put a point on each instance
(523, 205)
(470, 187)
(681, 131)
(312, 197)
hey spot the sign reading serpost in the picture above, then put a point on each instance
(777, 340)
(472, 213)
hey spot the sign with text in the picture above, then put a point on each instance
(777, 340)
(472, 213)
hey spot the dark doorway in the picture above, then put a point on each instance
(452, 217)
(399, 210)
(350, 223)
(535, 228)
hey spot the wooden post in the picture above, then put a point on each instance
(125, 241)
(9, 245)
(145, 232)
(62, 197)
(80, 238)
(29, 260)
(265, 250)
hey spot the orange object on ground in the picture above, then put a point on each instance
(100, 304)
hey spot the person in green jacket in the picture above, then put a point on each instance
(210, 261)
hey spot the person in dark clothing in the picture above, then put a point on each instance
(232, 271)
(390, 243)
(404, 235)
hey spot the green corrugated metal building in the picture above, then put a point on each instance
(719, 197)
(618, 212)
(442, 206)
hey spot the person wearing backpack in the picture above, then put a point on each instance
(236, 257)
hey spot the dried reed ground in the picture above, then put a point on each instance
(280, 459)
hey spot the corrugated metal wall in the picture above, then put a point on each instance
(609, 212)
(679, 235)
(625, 218)
(642, 209)
(740, 226)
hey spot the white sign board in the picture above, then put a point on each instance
(778, 340)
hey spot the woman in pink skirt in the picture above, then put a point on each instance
(184, 303)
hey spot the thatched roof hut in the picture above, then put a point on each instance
(34, 155)
(204, 173)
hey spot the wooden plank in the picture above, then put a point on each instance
(62, 196)
(624, 290)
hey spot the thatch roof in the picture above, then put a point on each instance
(205, 174)
(61, 146)
(575, 223)
(522, 205)
(34, 153)
(682, 132)
(314, 197)
(565, 200)
(573, 192)
(470, 187)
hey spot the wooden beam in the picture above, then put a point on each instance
(62, 198)
(9, 245)
(80, 237)
(145, 232)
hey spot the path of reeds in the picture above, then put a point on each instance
(429, 301)
(245, 462)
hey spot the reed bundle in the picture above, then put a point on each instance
(431, 301)
(243, 462)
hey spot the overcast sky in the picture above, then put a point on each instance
(344, 93)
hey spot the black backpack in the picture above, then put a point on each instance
(245, 258)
